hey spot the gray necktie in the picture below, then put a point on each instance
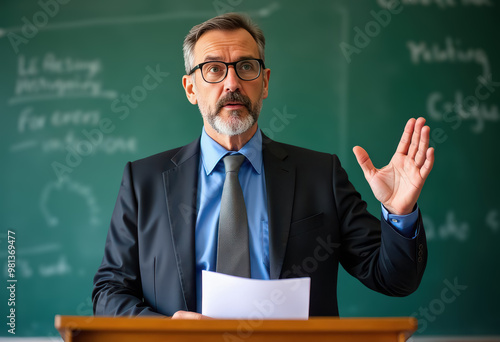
(233, 254)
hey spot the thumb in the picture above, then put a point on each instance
(364, 161)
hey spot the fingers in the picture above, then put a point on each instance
(415, 139)
(429, 163)
(404, 143)
(189, 315)
(420, 157)
(364, 161)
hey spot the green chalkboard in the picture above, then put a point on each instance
(74, 108)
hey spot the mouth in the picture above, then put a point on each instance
(234, 105)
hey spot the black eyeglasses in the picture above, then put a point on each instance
(216, 71)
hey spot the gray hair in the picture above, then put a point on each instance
(224, 22)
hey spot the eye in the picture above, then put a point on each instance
(246, 66)
(213, 68)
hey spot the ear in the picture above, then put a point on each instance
(189, 88)
(266, 75)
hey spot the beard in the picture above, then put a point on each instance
(238, 121)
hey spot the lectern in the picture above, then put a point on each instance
(123, 329)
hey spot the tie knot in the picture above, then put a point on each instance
(233, 162)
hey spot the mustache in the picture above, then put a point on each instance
(234, 97)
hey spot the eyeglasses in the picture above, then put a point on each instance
(216, 71)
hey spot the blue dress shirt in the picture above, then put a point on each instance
(253, 183)
(210, 184)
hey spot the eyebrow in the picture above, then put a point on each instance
(210, 58)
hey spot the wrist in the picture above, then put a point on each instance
(400, 211)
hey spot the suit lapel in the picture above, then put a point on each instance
(181, 183)
(280, 180)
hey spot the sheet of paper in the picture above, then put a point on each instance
(230, 297)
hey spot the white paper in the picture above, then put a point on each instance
(230, 297)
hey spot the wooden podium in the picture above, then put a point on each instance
(97, 329)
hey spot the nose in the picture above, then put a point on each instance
(232, 81)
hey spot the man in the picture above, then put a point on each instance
(303, 215)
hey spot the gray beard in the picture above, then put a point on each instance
(237, 123)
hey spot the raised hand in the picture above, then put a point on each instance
(399, 184)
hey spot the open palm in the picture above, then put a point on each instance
(399, 184)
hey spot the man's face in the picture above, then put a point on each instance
(232, 106)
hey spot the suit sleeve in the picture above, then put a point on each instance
(117, 283)
(371, 250)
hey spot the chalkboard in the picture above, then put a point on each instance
(75, 107)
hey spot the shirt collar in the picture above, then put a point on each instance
(212, 152)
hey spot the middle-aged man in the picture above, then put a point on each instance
(301, 216)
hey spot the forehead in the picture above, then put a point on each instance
(226, 45)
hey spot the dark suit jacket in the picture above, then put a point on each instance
(316, 220)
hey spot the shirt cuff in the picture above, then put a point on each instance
(403, 224)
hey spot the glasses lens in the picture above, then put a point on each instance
(248, 69)
(214, 71)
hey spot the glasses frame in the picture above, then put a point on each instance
(200, 66)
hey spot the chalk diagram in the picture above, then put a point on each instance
(68, 185)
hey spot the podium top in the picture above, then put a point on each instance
(91, 328)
